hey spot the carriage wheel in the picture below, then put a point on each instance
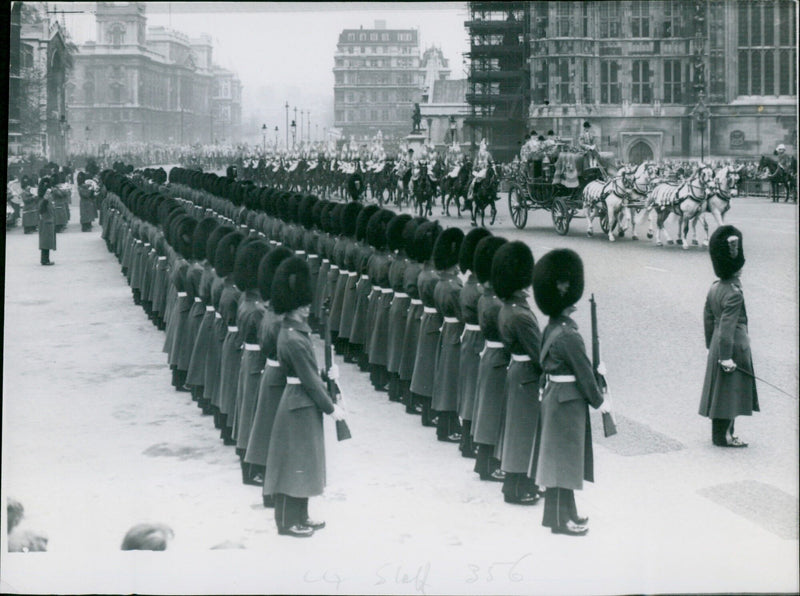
(561, 216)
(516, 207)
(604, 220)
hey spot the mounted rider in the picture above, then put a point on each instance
(453, 160)
(784, 159)
(479, 167)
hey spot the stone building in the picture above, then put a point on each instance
(377, 81)
(226, 106)
(135, 84)
(656, 79)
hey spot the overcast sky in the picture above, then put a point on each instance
(284, 51)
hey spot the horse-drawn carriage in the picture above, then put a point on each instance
(532, 187)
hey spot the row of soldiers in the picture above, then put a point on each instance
(439, 320)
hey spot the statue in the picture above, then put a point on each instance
(416, 119)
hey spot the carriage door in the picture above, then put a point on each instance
(639, 152)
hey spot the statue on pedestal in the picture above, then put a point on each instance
(416, 119)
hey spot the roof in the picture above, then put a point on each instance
(450, 91)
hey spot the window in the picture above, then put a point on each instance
(404, 36)
(373, 115)
(373, 37)
(362, 37)
(640, 19)
(116, 93)
(585, 20)
(540, 80)
(384, 96)
(765, 47)
(609, 82)
(385, 115)
(351, 37)
(673, 89)
(564, 88)
(384, 37)
(586, 82)
(26, 56)
(88, 93)
(372, 96)
(642, 86)
(339, 115)
(116, 34)
(609, 18)
(362, 49)
(563, 19)
(673, 23)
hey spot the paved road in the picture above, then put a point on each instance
(95, 440)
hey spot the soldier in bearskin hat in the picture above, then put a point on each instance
(512, 275)
(727, 390)
(248, 319)
(398, 309)
(296, 457)
(47, 222)
(180, 349)
(564, 443)
(472, 338)
(490, 396)
(273, 379)
(347, 230)
(378, 314)
(448, 349)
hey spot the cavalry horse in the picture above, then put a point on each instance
(778, 177)
(485, 195)
(424, 189)
(687, 201)
(402, 172)
(355, 183)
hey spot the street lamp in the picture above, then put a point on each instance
(87, 130)
(276, 138)
(264, 137)
(453, 127)
(701, 115)
(293, 126)
(301, 126)
(287, 124)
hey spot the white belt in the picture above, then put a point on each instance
(273, 363)
(252, 347)
(292, 381)
(471, 327)
(233, 329)
(181, 294)
(451, 319)
(299, 252)
(325, 261)
(210, 309)
(198, 299)
(262, 234)
(218, 316)
(365, 277)
(560, 378)
(344, 271)
(416, 301)
(386, 290)
(494, 344)
(352, 273)
(428, 309)
(520, 358)
(334, 267)
(162, 258)
(400, 295)
(147, 245)
(377, 289)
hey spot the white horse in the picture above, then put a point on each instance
(720, 192)
(687, 201)
(608, 197)
(640, 182)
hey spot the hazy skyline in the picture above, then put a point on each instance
(284, 52)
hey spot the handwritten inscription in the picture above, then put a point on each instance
(418, 578)
(499, 570)
(327, 577)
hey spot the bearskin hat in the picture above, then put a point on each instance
(446, 248)
(363, 219)
(245, 269)
(335, 218)
(225, 255)
(408, 236)
(291, 286)
(268, 266)
(200, 238)
(394, 231)
(467, 252)
(349, 217)
(726, 251)
(316, 213)
(214, 238)
(184, 235)
(376, 228)
(512, 269)
(306, 215)
(425, 239)
(484, 255)
(557, 281)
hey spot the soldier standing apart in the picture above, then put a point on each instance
(727, 391)
(564, 443)
(296, 457)
(47, 222)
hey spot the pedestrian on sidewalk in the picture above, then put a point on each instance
(564, 441)
(727, 391)
(296, 457)
(47, 221)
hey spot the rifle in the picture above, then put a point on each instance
(609, 425)
(342, 430)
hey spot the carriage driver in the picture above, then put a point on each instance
(479, 167)
(588, 144)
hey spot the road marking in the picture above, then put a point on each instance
(656, 269)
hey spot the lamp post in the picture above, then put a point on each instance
(308, 125)
(276, 138)
(264, 137)
(293, 126)
(453, 127)
(701, 115)
(301, 126)
(287, 124)
(87, 130)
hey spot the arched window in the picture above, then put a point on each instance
(116, 34)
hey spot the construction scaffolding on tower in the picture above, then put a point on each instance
(499, 75)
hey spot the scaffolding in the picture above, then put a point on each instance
(499, 75)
